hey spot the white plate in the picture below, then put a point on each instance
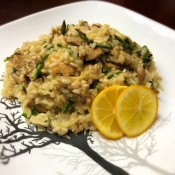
(152, 153)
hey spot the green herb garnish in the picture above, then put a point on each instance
(95, 85)
(110, 76)
(7, 59)
(49, 46)
(14, 70)
(24, 114)
(84, 37)
(87, 40)
(103, 46)
(34, 111)
(115, 73)
(67, 106)
(64, 28)
(146, 55)
(126, 43)
(39, 66)
(59, 45)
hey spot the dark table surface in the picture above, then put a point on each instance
(162, 11)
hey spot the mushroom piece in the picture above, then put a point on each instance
(62, 68)
(140, 74)
(75, 40)
(92, 54)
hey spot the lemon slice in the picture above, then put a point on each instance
(136, 110)
(103, 112)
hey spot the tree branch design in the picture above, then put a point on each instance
(135, 151)
(10, 104)
(73, 159)
(17, 138)
(128, 152)
(15, 133)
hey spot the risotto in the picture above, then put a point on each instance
(57, 77)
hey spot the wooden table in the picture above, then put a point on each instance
(162, 11)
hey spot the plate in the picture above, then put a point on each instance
(23, 150)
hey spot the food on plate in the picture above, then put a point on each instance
(56, 77)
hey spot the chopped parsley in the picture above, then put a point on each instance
(84, 37)
(145, 55)
(67, 106)
(127, 44)
(115, 73)
(39, 66)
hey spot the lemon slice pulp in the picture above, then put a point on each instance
(136, 110)
(103, 112)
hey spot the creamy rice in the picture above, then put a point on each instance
(57, 77)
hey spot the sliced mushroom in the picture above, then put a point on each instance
(115, 55)
(18, 61)
(140, 74)
(110, 65)
(92, 71)
(92, 54)
(62, 68)
(75, 40)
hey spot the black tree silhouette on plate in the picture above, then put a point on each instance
(18, 138)
(136, 150)
(128, 153)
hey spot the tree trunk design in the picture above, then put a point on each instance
(15, 131)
